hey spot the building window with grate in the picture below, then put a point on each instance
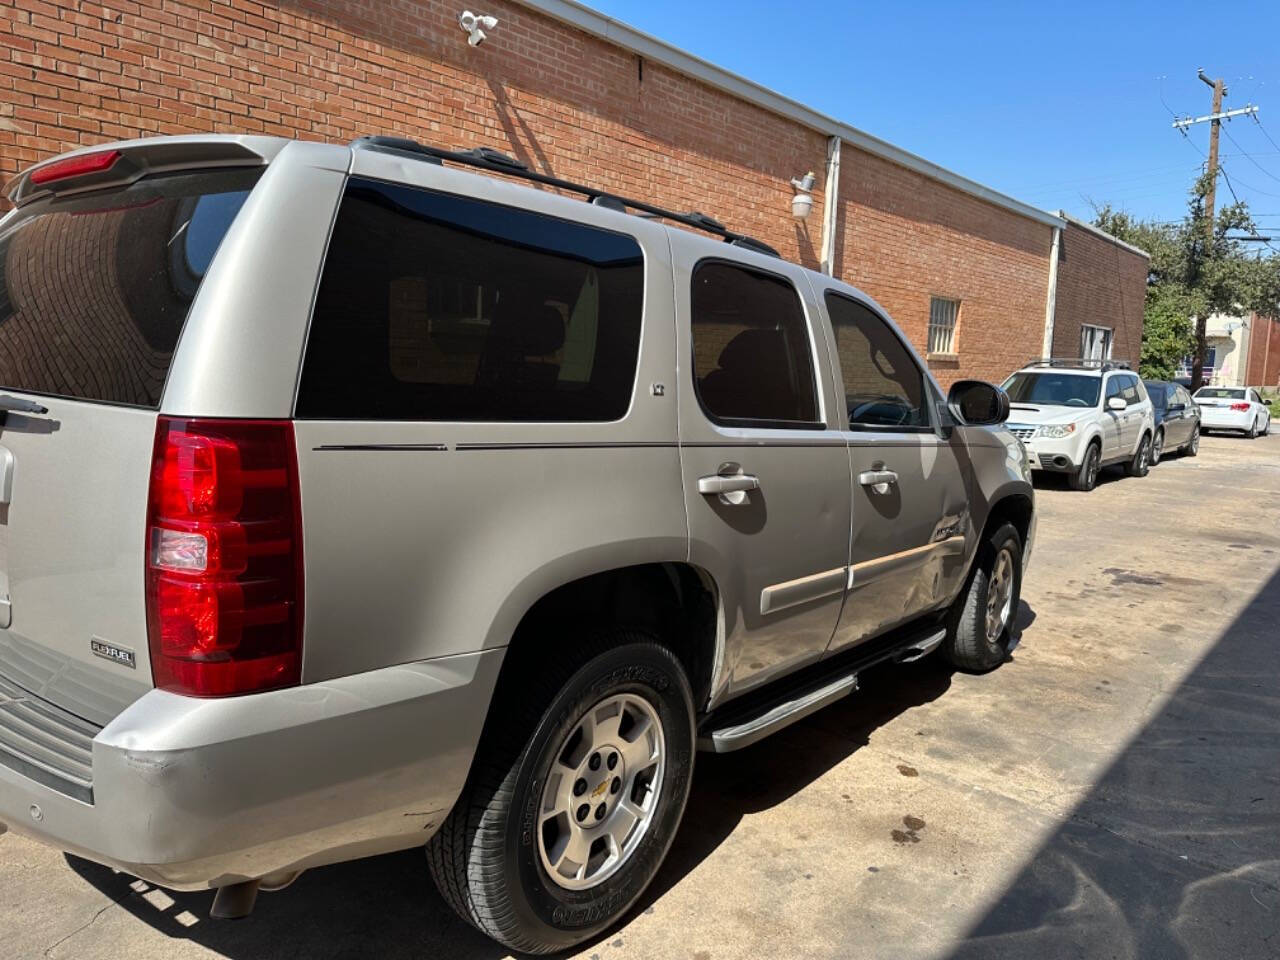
(942, 325)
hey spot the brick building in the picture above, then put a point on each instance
(1100, 290)
(1263, 352)
(968, 272)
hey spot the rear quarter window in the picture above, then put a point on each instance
(434, 306)
(95, 289)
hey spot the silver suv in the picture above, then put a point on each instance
(356, 498)
(1078, 416)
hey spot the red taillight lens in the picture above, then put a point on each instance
(1242, 407)
(224, 557)
(75, 166)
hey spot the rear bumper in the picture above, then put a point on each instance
(1211, 419)
(191, 793)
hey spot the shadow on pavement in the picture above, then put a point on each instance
(387, 906)
(1175, 853)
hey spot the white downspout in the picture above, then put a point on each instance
(830, 206)
(1051, 299)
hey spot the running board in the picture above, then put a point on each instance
(921, 649)
(782, 715)
(753, 717)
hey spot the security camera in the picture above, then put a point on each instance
(474, 25)
(805, 183)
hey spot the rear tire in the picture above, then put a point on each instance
(1085, 477)
(1140, 465)
(982, 617)
(1253, 430)
(1193, 445)
(1157, 447)
(497, 856)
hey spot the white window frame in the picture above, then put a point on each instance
(944, 319)
(1090, 333)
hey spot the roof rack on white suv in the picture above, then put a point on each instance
(1087, 363)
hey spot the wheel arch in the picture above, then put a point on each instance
(677, 600)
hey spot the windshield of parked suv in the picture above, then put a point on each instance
(1220, 393)
(1053, 389)
(95, 288)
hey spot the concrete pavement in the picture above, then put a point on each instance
(1111, 791)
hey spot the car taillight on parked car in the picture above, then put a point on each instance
(1240, 407)
(224, 557)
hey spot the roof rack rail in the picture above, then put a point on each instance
(1089, 363)
(486, 158)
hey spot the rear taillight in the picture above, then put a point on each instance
(224, 557)
(75, 166)
(1242, 407)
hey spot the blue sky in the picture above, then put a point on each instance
(1059, 105)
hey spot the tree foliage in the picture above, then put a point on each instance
(1194, 275)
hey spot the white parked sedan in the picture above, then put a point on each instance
(1233, 408)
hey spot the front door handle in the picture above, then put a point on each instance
(877, 479)
(734, 483)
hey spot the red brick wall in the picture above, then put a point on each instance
(905, 238)
(1264, 352)
(75, 73)
(1099, 283)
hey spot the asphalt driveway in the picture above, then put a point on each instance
(1111, 791)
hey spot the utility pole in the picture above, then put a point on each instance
(1215, 120)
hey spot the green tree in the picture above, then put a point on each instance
(1194, 275)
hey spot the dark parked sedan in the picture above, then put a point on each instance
(1177, 419)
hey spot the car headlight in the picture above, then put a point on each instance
(1056, 431)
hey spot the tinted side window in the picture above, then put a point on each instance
(883, 385)
(752, 363)
(439, 307)
(1113, 387)
(1129, 389)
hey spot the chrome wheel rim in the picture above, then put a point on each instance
(1157, 448)
(1093, 468)
(602, 791)
(999, 595)
(1195, 441)
(1144, 452)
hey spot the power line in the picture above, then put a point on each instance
(1264, 132)
(1249, 157)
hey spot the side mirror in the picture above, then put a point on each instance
(978, 403)
(1116, 403)
(1177, 407)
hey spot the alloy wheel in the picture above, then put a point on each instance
(601, 793)
(999, 596)
(1157, 448)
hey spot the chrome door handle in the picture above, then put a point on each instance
(734, 483)
(877, 478)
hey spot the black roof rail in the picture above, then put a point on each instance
(1088, 363)
(486, 158)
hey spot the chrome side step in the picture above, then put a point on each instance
(921, 649)
(782, 715)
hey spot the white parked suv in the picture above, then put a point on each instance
(1078, 416)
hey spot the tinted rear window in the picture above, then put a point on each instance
(752, 364)
(94, 290)
(434, 306)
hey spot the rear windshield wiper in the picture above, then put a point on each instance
(18, 405)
